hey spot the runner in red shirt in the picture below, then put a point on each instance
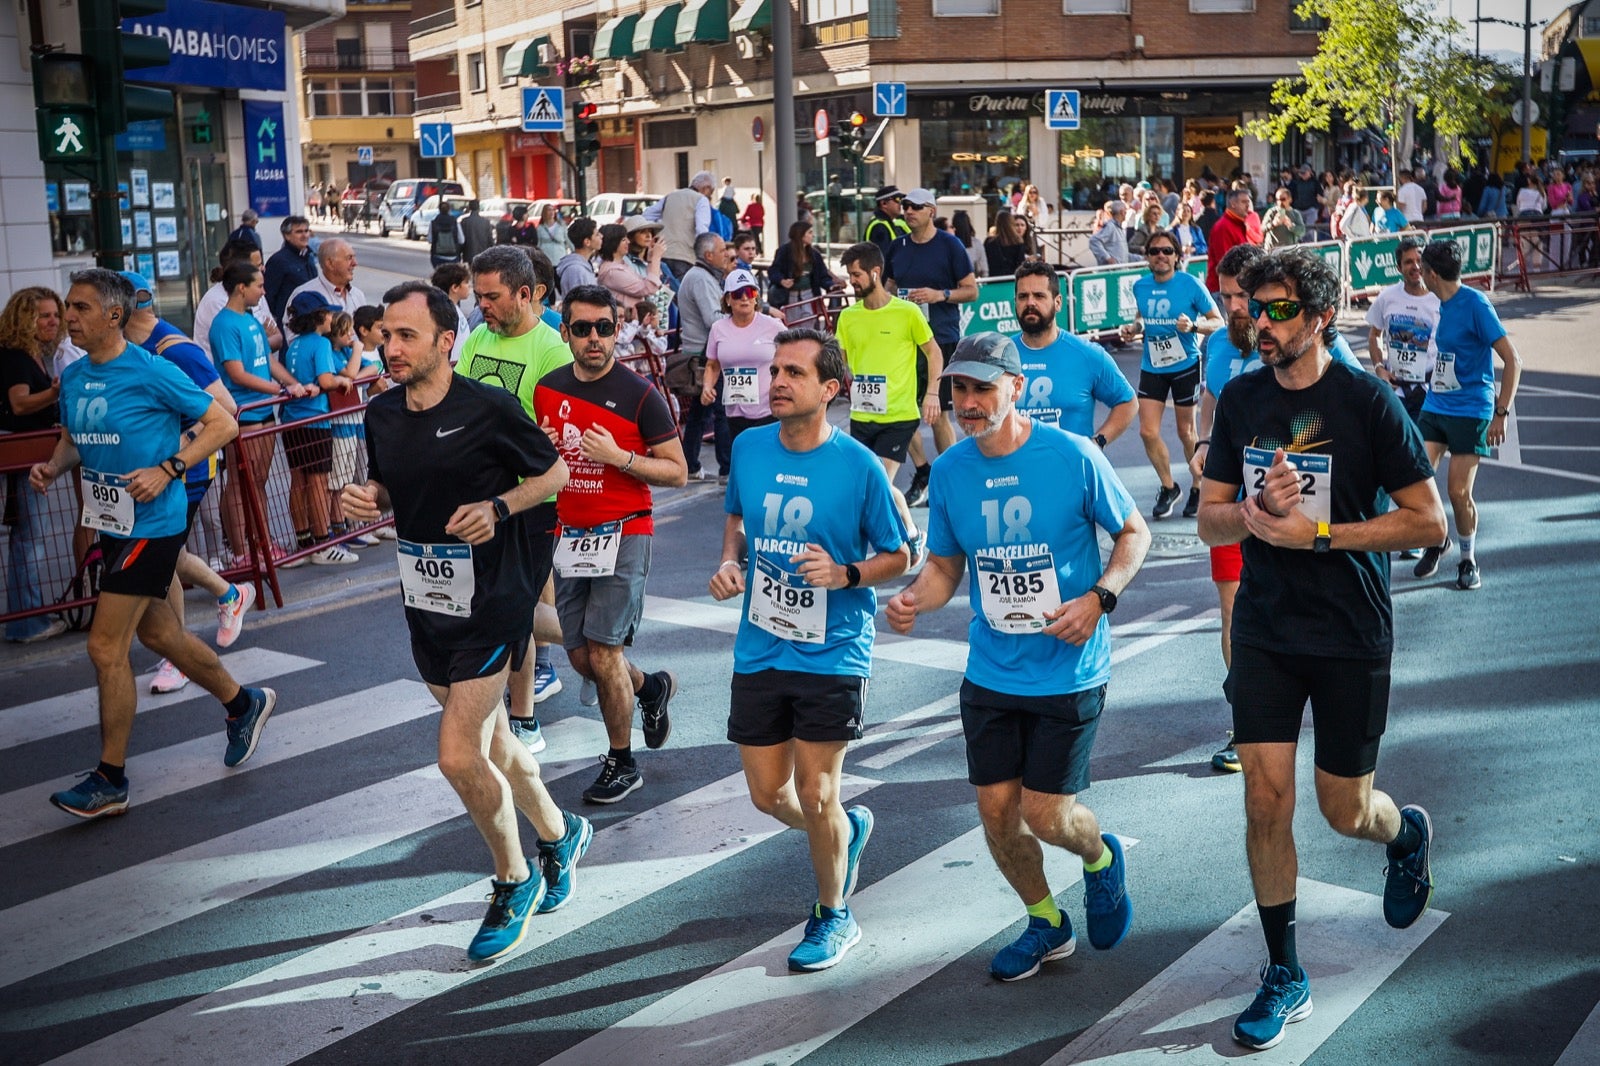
(618, 437)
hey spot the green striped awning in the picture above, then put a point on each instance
(703, 21)
(752, 15)
(615, 40)
(522, 61)
(658, 28)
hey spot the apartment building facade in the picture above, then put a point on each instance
(357, 92)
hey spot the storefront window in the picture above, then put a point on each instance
(974, 155)
(1211, 144)
(1129, 148)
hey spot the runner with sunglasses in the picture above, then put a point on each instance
(1173, 312)
(1296, 461)
(739, 355)
(618, 437)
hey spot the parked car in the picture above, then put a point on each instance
(842, 212)
(566, 210)
(618, 206)
(404, 196)
(499, 208)
(417, 225)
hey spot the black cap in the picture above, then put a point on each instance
(888, 192)
(984, 356)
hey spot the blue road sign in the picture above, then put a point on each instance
(544, 109)
(364, 155)
(1061, 109)
(889, 99)
(438, 140)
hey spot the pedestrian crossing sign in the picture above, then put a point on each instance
(544, 109)
(1061, 109)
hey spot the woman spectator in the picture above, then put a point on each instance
(1355, 222)
(551, 234)
(1450, 195)
(1492, 204)
(1149, 225)
(1007, 245)
(754, 219)
(1531, 201)
(309, 448)
(617, 274)
(967, 234)
(798, 272)
(1388, 218)
(1328, 200)
(30, 327)
(1558, 195)
(1191, 196)
(1035, 208)
(1191, 240)
(739, 355)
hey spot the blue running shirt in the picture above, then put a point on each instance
(310, 355)
(1066, 378)
(239, 337)
(1463, 376)
(1046, 497)
(1160, 304)
(836, 496)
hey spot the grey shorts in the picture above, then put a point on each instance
(607, 609)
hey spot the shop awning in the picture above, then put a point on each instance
(752, 15)
(615, 39)
(522, 61)
(657, 29)
(703, 22)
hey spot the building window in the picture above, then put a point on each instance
(500, 66)
(477, 73)
(965, 7)
(347, 53)
(673, 133)
(1299, 24)
(1221, 7)
(1095, 7)
(350, 98)
(974, 156)
(1126, 148)
(320, 100)
(1591, 26)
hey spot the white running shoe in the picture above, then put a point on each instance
(168, 679)
(387, 532)
(335, 555)
(230, 616)
(365, 540)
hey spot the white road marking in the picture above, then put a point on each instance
(1585, 1047)
(1592, 479)
(26, 813)
(783, 1016)
(325, 995)
(1186, 1013)
(55, 715)
(49, 931)
(1169, 631)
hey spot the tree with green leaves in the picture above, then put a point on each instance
(1380, 65)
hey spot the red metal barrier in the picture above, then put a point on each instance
(1561, 246)
(49, 569)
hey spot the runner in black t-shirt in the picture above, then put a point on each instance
(1296, 460)
(457, 460)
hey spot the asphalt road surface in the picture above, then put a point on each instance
(314, 905)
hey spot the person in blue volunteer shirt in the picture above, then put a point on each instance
(1066, 374)
(810, 509)
(1462, 414)
(1173, 311)
(125, 412)
(309, 448)
(1019, 503)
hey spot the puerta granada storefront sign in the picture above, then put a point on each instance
(1093, 103)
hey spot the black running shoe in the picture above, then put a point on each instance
(1166, 500)
(1192, 507)
(616, 780)
(917, 494)
(657, 726)
(1430, 559)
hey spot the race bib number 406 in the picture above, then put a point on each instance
(107, 506)
(1316, 479)
(437, 578)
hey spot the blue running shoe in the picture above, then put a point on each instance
(1105, 898)
(546, 683)
(510, 904)
(93, 797)
(559, 862)
(829, 934)
(529, 732)
(1283, 998)
(244, 732)
(860, 830)
(1409, 881)
(1039, 943)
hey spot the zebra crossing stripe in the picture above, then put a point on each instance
(1161, 634)
(332, 992)
(783, 1017)
(1185, 1013)
(50, 931)
(55, 715)
(1585, 1047)
(24, 812)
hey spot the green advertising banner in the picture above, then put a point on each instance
(1102, 297)
(1372, 260)
(995, 309)
(1332, 253)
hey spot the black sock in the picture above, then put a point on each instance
(239, 704)
(921, 469)
(623, 756)
(523, 717)
(304, 537)
(114, 774)
(652, 687)
(1409, 840)
(1277, 923)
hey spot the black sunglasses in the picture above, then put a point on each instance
(1277, 310)
(582, 328)
(1160, 251)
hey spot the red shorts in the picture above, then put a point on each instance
(1226, 563)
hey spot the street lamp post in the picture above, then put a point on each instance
(1526, 26)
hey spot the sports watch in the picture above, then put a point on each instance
(178, 467)
(1108, 599)
(852, 575)
(501, 511)
(1324, 539)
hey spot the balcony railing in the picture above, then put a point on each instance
(387, 59)
(439, 101)
(437, 21)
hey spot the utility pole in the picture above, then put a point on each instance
(1527, 81)
(783, 154)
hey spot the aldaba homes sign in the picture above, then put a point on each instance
(218, 45)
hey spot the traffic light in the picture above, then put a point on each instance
(115, 53)
(585, 134)
(858, 137)
(68, 129)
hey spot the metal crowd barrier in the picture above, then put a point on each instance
(1556, 246)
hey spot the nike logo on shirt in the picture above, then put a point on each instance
(447, 432)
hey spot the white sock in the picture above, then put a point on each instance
(1466, 548)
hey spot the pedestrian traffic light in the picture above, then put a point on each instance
(63, 108)
(115, 53)
(585, 134)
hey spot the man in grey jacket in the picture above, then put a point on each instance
(699, 305)
(1110, 242)
(684, 215)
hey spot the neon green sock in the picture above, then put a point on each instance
(1099, 864)
(1046, 908)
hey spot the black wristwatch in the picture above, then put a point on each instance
(852, 575)
(1108, 599)
(1322, 543)
(1100, 439)
(178, 467)
(501, 511)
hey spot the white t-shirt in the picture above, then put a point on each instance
(353, 298)
(1412, 199)
(1408, 324)
(214, 300)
